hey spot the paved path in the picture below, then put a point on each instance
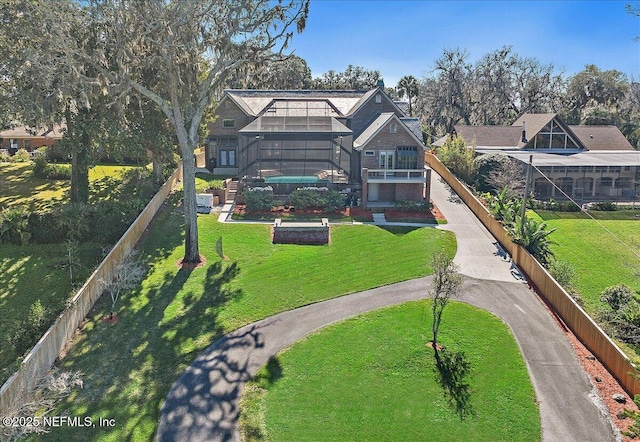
(203, 403)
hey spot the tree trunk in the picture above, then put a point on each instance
(192, 252)
(156, 161)
(79, 164)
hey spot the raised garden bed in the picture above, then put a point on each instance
(433, 216)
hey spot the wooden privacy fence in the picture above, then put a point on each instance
(580, 323)
(42, 356)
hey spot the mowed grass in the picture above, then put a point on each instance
(175, 313)
(599, 259)
(372, 378)
(30, 273)
(18, 186)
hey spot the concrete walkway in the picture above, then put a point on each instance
(202, 405)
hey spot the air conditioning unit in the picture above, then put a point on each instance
(204, 202)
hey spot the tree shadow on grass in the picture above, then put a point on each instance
(131, 364)
(452, 372)
(399, 230)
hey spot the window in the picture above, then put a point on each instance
(229, 122)
(552, 136)
(393, 128)
(378, 98)
(407, 157)
(369, 153)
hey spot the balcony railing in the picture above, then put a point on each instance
(396, 175)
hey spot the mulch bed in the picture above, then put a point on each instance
(355, 212)
(190, 265)
(431, 217)
(358, 213)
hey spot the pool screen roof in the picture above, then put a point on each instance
(313, 124)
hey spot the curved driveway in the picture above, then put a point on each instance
(202, 405)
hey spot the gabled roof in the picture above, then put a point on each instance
(414, 125)
(377, 125)
(57, 131)
(510, 137)
(601, 137)
(368, 96)
(490, 136)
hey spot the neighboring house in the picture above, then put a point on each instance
(358, 142)
(23, 137)
(588, 163)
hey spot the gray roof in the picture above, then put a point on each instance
(584, 158)
(55, 132)
(510, 137)
(601, 138)
(414, 125)
(372, 130)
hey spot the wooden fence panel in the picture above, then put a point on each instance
(42, 356)
(580, 323)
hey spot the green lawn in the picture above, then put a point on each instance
(129, 366)
(598, 258)
(29, 273)
(372, 378)
(37, 271)
(18, 186)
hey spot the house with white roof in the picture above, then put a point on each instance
(359, 142)
(585, 163)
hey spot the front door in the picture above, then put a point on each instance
(387, 159)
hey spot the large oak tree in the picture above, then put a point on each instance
(191, 46)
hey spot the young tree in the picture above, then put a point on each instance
(192, 46)
(446, 284)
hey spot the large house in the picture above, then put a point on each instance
(359, 142)
(29, 139)
(586, 163)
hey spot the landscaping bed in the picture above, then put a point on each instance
(398, 215)
(291, 213)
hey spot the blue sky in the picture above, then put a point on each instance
(406, 37)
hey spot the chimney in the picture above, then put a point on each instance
(524, 133)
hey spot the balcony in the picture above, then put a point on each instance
(397, 176)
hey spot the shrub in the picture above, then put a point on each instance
(317, 197)
(604, 206)
(21, 156)
(29, 331)
(617, 296)
(14, 225)
(259, 198)
(42, 169)
(458, 158)
(45, 227)
(484, 165)
(412, 206)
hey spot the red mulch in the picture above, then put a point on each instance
(355, 212)
(398, 215)
(110, 319)
(191, 265)
(240, 209)
(605, 383)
